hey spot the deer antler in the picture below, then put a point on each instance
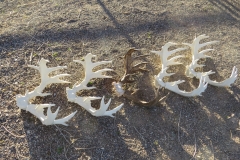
(158, 98)
(130, 70)
(173, 86)
(37, 109)
(85, 102)
(195, 46)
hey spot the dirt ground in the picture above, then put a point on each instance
(180, 128)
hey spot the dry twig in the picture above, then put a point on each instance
(13, 133)
(62, 133)
(195, 150)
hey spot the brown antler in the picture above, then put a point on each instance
(132, 96)
(130, 70)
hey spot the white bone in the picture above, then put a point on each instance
(85, 102)
(173, 86)
(117, 87)
(196, 55)
(37, 109)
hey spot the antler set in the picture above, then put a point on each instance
(173, 86)
(196, 55)
(130, 70)
(85, 102)
(190, 72)
(37, 109)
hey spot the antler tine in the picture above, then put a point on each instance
(131, 50)
(103, 109)
(125, 79)
(136, 67)
(141, 56)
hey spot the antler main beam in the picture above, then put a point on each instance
(37, 109)
(157, 98)
(85, 102)
(196, 55)
(173, 86)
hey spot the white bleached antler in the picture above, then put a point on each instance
(85, 102)
(37, 109)
(173, 86)
(196, 55)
